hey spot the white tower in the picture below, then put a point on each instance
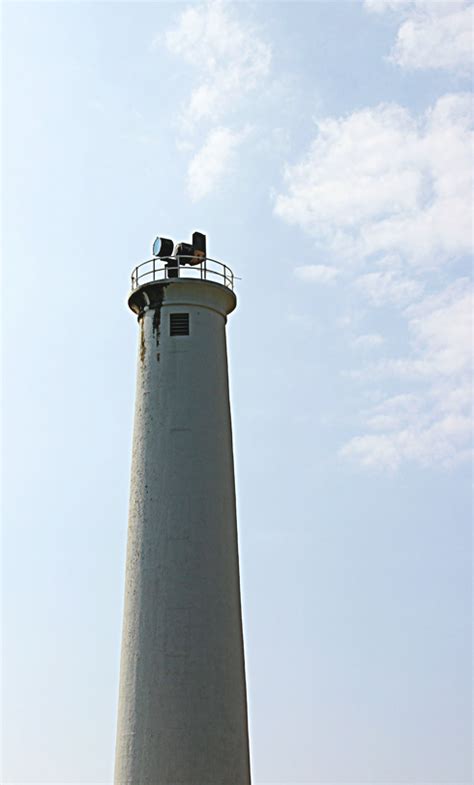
(182, 708)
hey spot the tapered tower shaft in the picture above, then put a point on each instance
(182, 707)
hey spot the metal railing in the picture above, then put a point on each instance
(163, 269)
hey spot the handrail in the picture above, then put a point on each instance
(208, 270)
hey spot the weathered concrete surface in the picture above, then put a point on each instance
(182, 709)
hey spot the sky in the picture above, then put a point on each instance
(325, 150)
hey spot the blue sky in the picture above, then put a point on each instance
(325, 150)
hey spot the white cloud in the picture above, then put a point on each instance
(442, 330)
(229, 57)
(368, 341)
(387, 287)
(394, 412)
(428, 436)
(391, 193)
(301, 321)
(381, 181)
(317, 273)
(379, 6)
(229, 60)
(432, 34)
(433, 424)
(213, 161)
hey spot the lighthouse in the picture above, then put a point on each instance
(182, 699)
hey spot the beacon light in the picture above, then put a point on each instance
(163, 247)
(192, 253)
(186, 253)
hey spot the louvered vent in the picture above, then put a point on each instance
(179, 323)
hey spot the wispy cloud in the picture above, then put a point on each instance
(317, 273)
(213, 162)
(431, 423)
(226, 53)
(432, 34)
(388, 195)
(368, 341)
(228, 60)
(381, 181)
(388, 287)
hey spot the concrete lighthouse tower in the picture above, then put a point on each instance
(182, 707)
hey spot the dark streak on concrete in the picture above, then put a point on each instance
(157, 322)
(142, 341)
(157, 318)
(148, 296)
(151, 295)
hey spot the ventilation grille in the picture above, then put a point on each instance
(179, 323)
